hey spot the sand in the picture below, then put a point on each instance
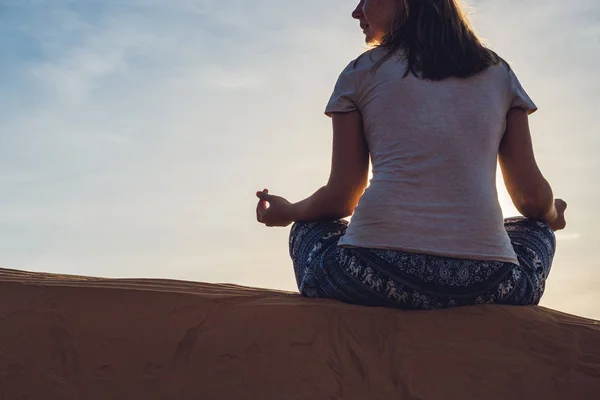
(70, 337)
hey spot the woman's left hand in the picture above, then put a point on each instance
(273, 210)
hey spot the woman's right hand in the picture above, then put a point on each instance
(559, 223)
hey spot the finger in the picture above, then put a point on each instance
(265, 191)
(560, 205)
(564, 204)
(264, 196)
(263, 205)
(260, 210)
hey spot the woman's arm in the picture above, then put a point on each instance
(529, 190)
(348, 177)
(347, 180)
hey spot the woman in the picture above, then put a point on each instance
(434, 110)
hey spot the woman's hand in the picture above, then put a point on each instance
(559, 223)
(273, 210)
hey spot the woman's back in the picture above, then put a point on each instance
(435, 110)
(434, 147)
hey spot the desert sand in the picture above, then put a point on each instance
(72, 337)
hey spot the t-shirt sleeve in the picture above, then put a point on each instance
(519, 97)
(343, 99)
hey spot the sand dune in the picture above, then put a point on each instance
(76, 337)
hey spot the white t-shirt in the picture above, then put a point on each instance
(434, 148)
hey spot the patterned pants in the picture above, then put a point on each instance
(388, 278)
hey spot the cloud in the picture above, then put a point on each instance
(124, 116)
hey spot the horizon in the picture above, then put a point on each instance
(136, 132)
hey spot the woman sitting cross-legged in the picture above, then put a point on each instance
(434, 110)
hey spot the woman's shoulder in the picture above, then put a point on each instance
(500, 61)
(499, 71)
(499, 65)
(366, 62)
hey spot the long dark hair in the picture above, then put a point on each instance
(437, 40)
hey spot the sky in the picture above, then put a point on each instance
(134, 133)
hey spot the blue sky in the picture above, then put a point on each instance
(135, 133)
